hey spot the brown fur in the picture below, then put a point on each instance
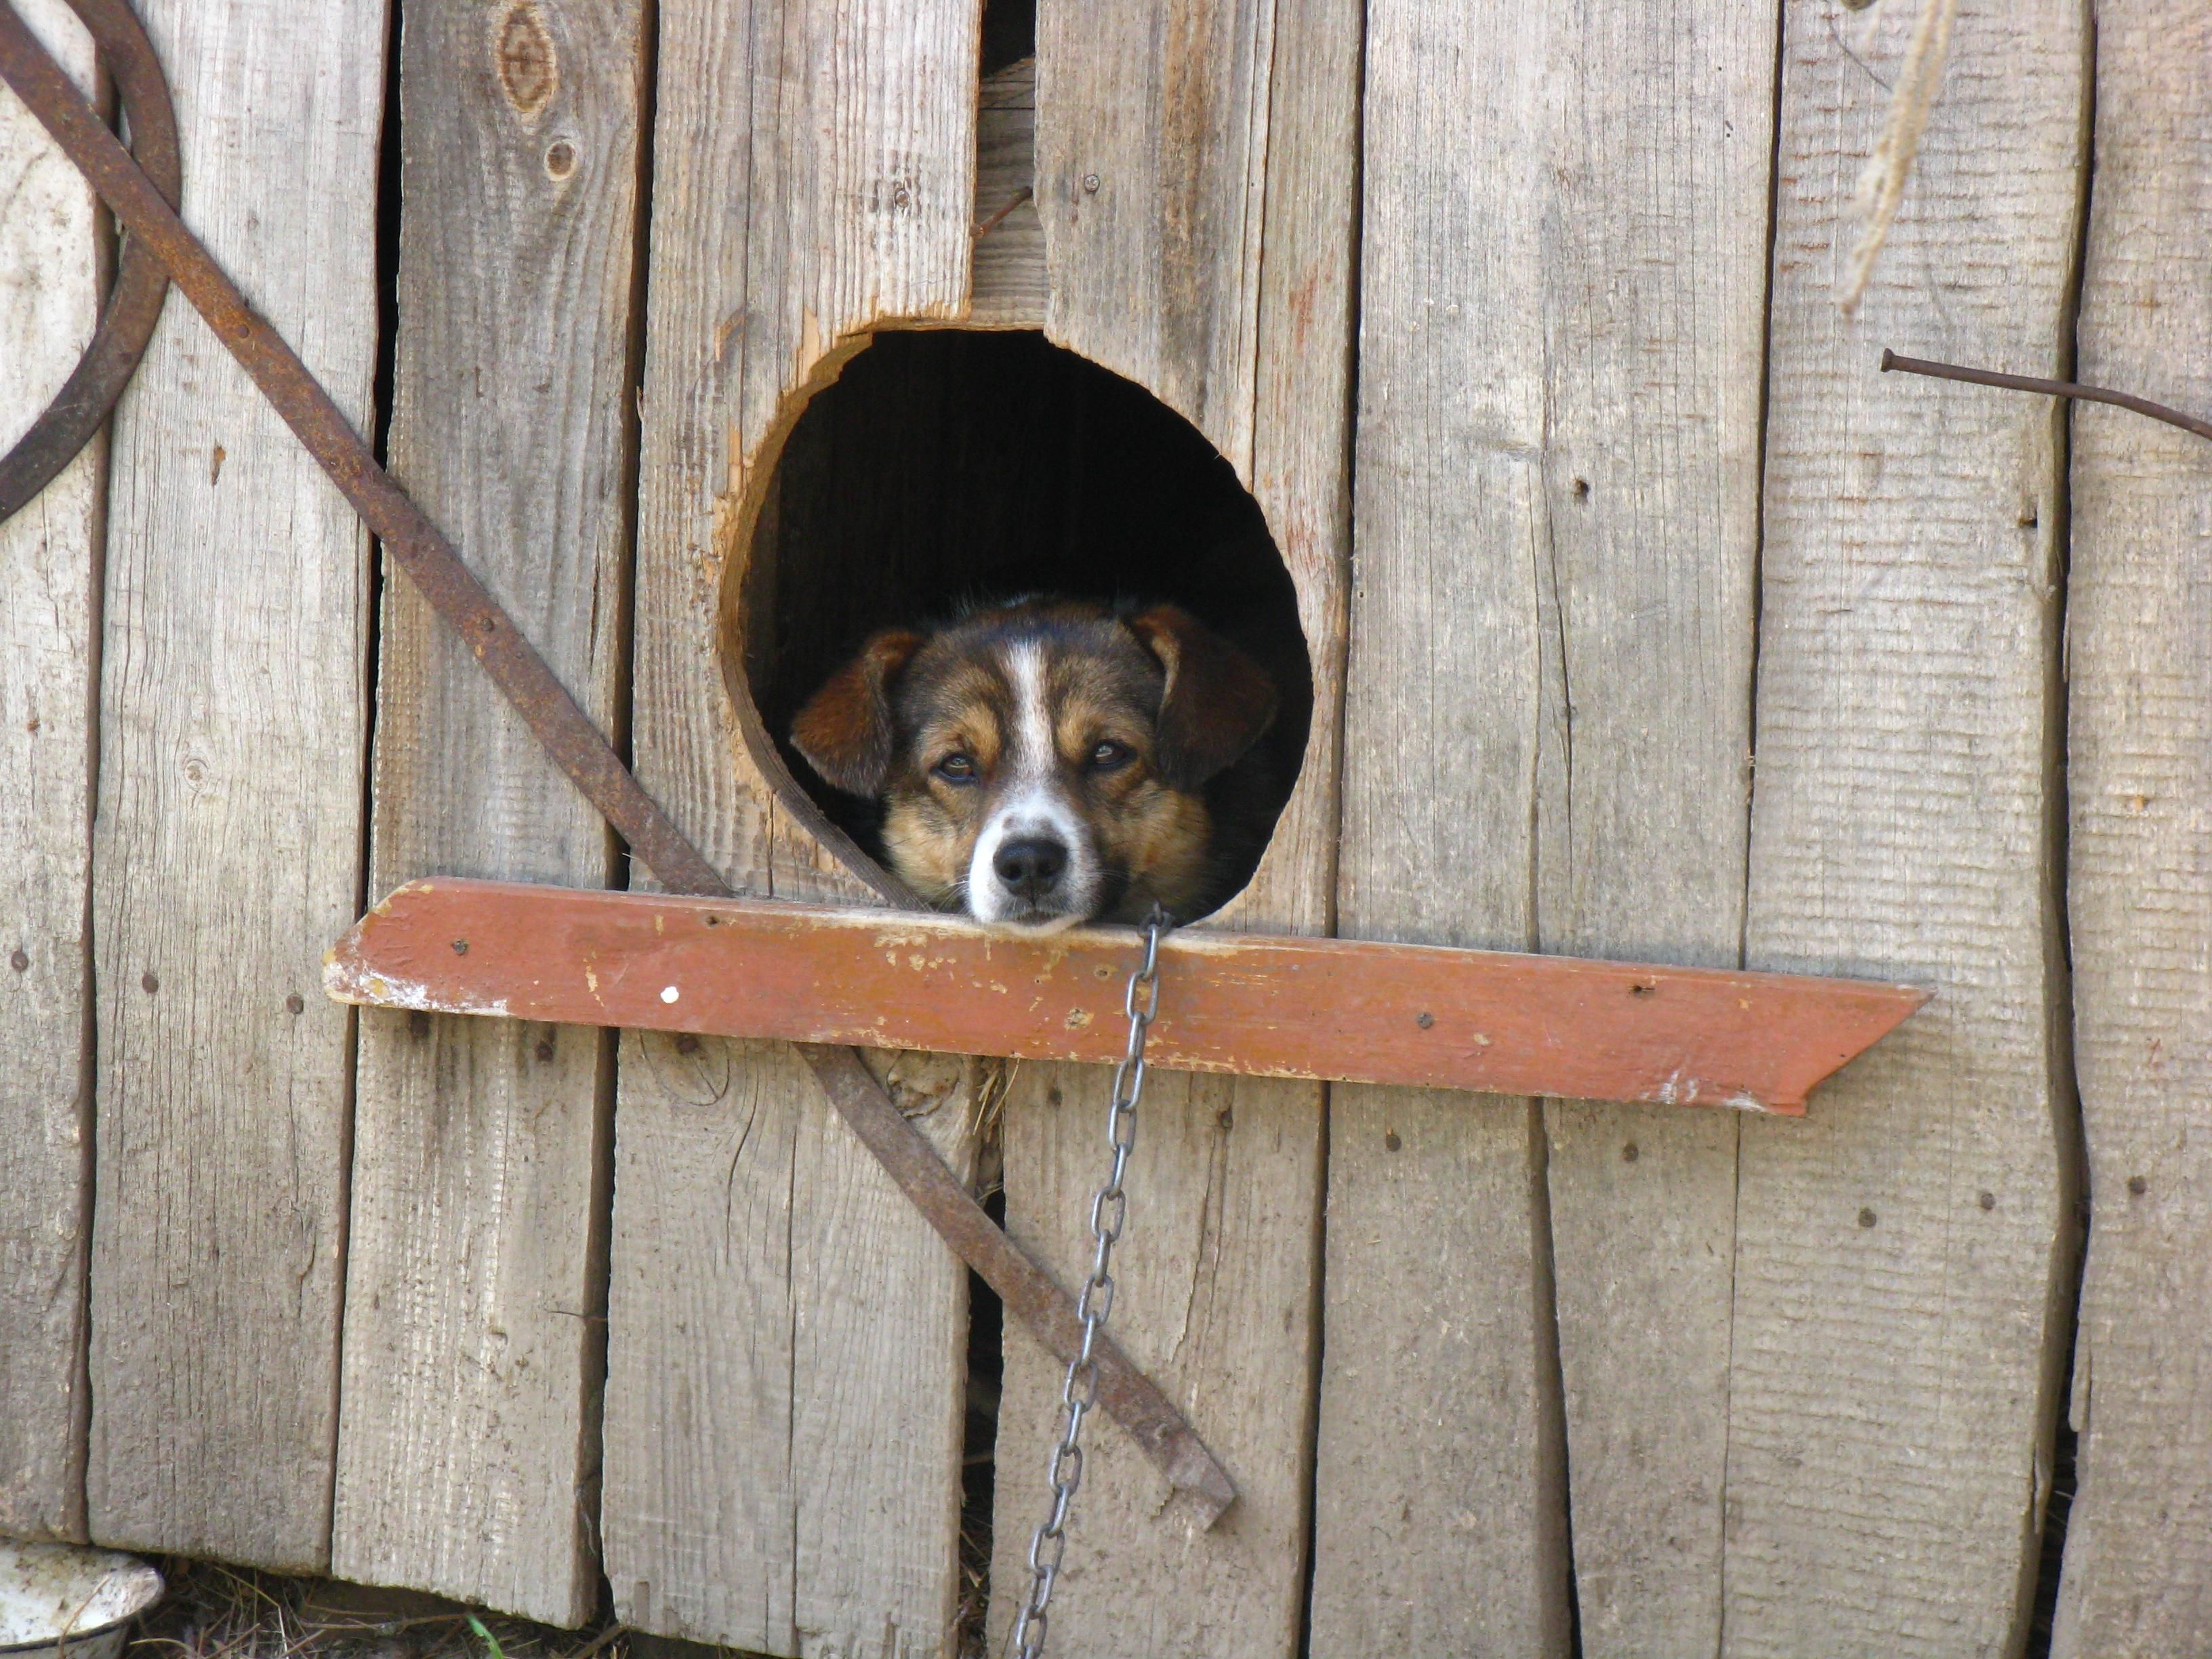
(1155, 685)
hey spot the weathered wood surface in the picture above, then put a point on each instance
(1257, 1006)
(1214, 1297)
(1152, 150)
(2138, 1571)
(1199, 119)
(228, 843)
(1440, 1518)
(1659, 128)
(468, 1443)
(1903, 1255)
(774, 1304)
(50, 559)
(1008, 289)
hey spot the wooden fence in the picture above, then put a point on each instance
(1647, 620)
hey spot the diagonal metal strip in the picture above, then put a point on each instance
(1891, 362)
(577, 748)
(134, 305)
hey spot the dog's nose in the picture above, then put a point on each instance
(1030, 865)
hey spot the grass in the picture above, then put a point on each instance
(216, 1612)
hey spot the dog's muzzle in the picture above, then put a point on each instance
(1034, 871)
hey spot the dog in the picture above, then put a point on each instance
(1046, 761)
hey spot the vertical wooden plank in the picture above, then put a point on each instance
(1301, 471)
(228, 847)
(879, 1367)
(2138, 1572)
(50, 556)
(1439, 1522)
(1654, 294)
(771, 1293)
(1151, 152)
(699, 1501)
(467, 1449)
(1214, 1287)
(1009, 287)
(1199, 120)
(1903, 1253)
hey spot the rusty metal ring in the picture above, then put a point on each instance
(134, 305)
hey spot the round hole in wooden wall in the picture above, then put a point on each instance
(946, 469)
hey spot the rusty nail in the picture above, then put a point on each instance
(19, 960)
(1630, 1153)
(1866, 1217)
(149, 983)
(133, 304)
(1391, 1140)
(1425, 1020)
(999, 217)
(295, 1004)
(460, 947)
(1989, 1200)
(1090, 184)
(2138, 1186)
(1891, 362)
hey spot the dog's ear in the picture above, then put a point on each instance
(1219, 703)
(845, 731)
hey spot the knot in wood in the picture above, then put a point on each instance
(522, 52)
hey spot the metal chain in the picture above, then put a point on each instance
(1109, 1209)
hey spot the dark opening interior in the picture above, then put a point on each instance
(946, 469)
(1008, 33)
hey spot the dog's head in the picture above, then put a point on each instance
(1040, 763)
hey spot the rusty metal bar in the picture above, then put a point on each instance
(1133, 1399)
(567, 732)
(2095, 394)
(133, 304)
(407, 534)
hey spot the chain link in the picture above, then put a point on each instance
(1109, 1211)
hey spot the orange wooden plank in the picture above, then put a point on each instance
(1339, 1009)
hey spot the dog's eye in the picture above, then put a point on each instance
(956, 768)
(1110, 756)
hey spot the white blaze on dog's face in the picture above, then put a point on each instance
(1036, 862)
(1040, 763)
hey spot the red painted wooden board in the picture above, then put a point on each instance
(1339, 1009)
